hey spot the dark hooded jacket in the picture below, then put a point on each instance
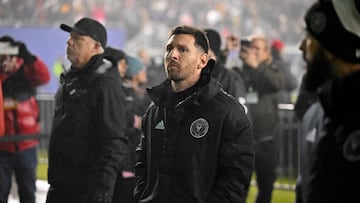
(87, 141)
(334, 170)
(197, 147)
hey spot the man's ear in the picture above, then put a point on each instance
(203, 60)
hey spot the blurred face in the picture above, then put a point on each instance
(122, 67)
(261, 49)
(9, 63)
(183, 60)
(80, 49)
(139, 82)
(319, 68)
(308, 47)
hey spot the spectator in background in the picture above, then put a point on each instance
(154, 68)
(2, 122)
(197, 144)
(230, 81)
(136, 77)
(229, 56)
(21, 73)
(263, 80)
(125, 182)
(290, 81)
(88, 141)
(331, 48)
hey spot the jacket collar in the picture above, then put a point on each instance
(338, 97)
(161, 94)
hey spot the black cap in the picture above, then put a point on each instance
(335, 24)
(89, 27)
(214, 40)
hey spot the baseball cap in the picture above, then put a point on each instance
(89, 27)
(336, 25)
(277, 44)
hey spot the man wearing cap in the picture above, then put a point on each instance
(330, 171)
(87, 141)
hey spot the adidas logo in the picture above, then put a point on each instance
(160, 125)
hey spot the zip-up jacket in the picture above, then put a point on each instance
(88, 143)
(198, 150)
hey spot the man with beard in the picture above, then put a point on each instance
(198, 142)
(330, 157)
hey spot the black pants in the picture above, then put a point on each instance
(124, 190)
(266, 162)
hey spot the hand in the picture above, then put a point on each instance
(24, 53)
(137, 122)
(232, 43)
(249, 57)
(10, 64)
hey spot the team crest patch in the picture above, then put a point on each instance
(351, 148)
(199, 128)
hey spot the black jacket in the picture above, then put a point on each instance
(197, 150)
(310, 130)
(335, 168)
(267, 81)
(230, 81)
(87, 139)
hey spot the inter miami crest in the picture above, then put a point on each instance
(199, 128)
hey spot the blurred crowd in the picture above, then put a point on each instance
(279, 19)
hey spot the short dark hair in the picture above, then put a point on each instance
(201, 39)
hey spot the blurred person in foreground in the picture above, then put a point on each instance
(263, 81)
(21, 73)
(230, 81)
(331, 48)
(197, 144)
(88, 142)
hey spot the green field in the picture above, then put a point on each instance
(279, 196)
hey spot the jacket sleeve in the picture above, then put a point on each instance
(111, 122)
(37, 72)
(141, 160)
(236, 159)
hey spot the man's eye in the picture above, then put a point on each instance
(182, 50)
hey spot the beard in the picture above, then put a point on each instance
(319, 70)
